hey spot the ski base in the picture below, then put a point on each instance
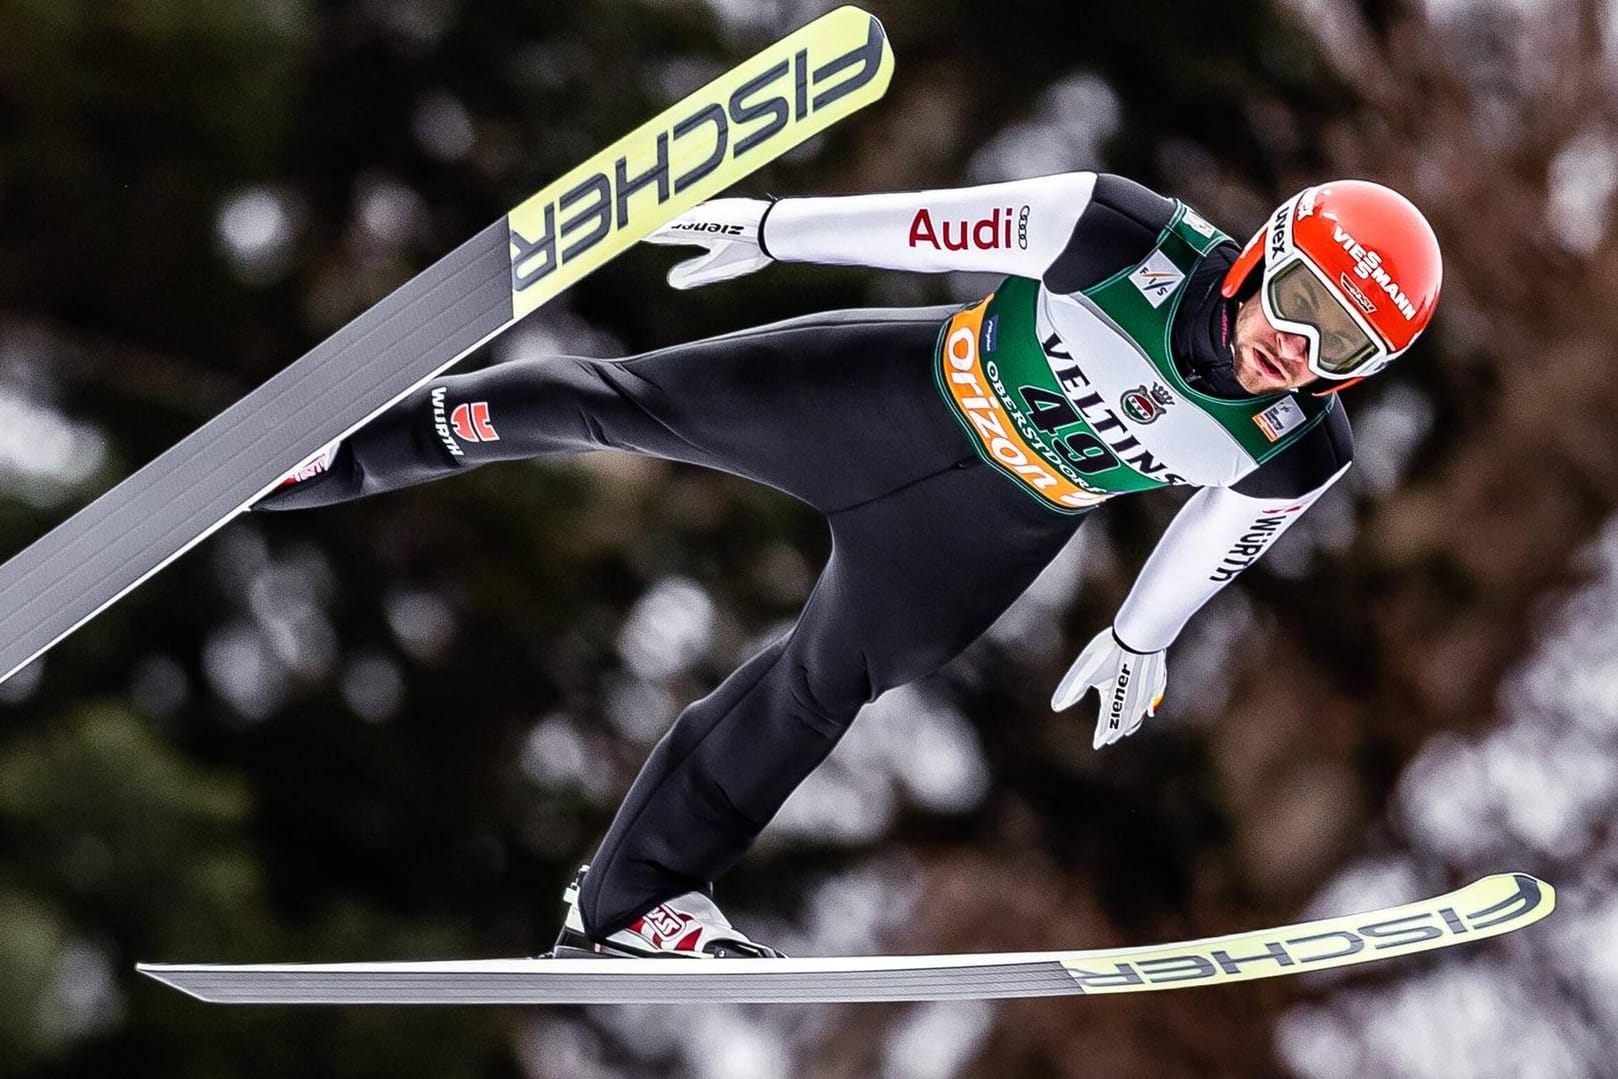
(1501, 903)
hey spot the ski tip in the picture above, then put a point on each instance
(1529, 898)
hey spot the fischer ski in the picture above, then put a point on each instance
(1496, 904)
(693, 150)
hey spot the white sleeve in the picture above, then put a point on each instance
(1215, 536)
(1018, 227)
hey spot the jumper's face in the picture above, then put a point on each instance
(1268, 360)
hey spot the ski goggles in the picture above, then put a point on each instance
(1298, 299)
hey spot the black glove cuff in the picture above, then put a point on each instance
(1119, 641)
(762, 246)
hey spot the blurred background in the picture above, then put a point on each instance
(391, 729)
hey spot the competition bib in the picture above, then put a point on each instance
(1077, 397)
(1007, 435)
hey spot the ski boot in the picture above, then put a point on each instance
(688, 926)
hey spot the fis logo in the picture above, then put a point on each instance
(1279, 418)
(664, 920)
(471, 422)
(1157, 278)
(690, 148)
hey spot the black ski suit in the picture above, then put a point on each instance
(929, 544)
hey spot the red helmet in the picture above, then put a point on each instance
(1352, 266)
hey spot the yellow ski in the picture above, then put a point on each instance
(1485, 908)
(692, 151)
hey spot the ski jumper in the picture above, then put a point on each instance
(953, 453)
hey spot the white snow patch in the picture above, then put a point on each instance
(372, 686)
(1073, 118)
(255, 229)
(1583, 176)
(422, 622)
(390, 213)
(83, 997)
(242, 670)
(24, 684)
(42, 452)
(1539, 789)
(443, 127)
(668, 629)
(159, 686)
(1386, 434)
(1457, 1022)
(555, 331)
(936, 1040)
(639, 710)
(557, 755)
(907, 743)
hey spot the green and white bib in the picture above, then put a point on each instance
(1077, 397)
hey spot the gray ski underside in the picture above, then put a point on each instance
(83, 565)
(624, 981)
(1496, 904)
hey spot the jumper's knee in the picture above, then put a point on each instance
(828, 697)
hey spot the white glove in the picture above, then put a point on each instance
(729, 229)
(1131, 685)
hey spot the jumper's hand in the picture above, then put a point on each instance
(728, 228)
(1131, 685)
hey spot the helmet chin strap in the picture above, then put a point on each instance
(1340, 386)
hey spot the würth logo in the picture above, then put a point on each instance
(471, 422)
(441, 423)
